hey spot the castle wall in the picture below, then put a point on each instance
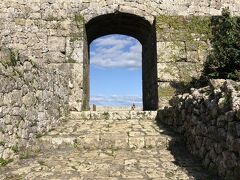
(50, 77)
(47, 31)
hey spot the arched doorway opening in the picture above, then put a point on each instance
(145, 33)
(116, 72)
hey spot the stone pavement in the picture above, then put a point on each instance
(106, 145)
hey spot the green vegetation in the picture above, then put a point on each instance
(166, 91)
(75, 143)
(224, 60)
(73, 167)
(2, 130)
(70, 60)
(2, 143)
(39, 135)
(194, 24)
(111, 151)
(227, 100)
(106, 115)
(11, 59)
(4, 162)
(15, 149)
(41, 162)
(148, 147)
(51, 18)
(27, 154)
(186, 29)
(79, 20)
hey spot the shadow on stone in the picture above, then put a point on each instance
(184, 87)
(183, 158)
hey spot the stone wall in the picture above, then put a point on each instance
(209, 119)
(53, 32)
(47, 32)
(49, 57)
(182, 49)
(33, 97)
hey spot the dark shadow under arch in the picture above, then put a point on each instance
(118, 23)
(142, 30)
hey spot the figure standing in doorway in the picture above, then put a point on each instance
(133, 107)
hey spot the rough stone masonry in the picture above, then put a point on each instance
(209, 119)
(44, 61)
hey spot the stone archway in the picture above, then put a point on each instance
(142, 30)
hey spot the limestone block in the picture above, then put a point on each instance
(13, 99)
(29, 99)
(75, 100)
(117, 116)
(151, 141)
(192, 56)
(89, 142)
(56, 43)
(54, 57)
(74, 49)
(8, 154)
(171, 51)
(42, 116)
(35, 15)
(187, 71)
(121, 142)
(77, 55)
(15, 111)
(164, 36)
(136, 142)
(75, 85)
(5, 56)
(114, 140)
(168, 72)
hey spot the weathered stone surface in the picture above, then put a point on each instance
(171, 51)
(30, 102)
(210, 124)
(54, 32)
(107, 149)
(56, 43)
(44, 68)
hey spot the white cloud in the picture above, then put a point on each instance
(116, 51)
(113, 40)
(115, 100)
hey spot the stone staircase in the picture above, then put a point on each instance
(106, 145)
(105, 130)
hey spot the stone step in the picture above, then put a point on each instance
(105, 141)
(106, 149)
(114, 115)
(103, 134)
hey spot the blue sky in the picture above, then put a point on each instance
(116, 71)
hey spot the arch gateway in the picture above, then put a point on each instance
(54, 37)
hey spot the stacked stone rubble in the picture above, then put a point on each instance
(209, 119)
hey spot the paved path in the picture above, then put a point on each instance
(117, 145)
